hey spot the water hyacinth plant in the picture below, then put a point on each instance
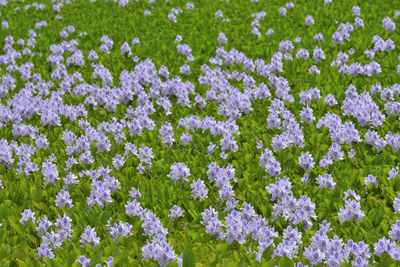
(208, 133)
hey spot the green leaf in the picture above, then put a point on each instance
(285, 262)
(188, 258)
(385, 260)
(267, 253)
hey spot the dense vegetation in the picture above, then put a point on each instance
(207, 133)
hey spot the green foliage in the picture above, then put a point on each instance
(199, 30)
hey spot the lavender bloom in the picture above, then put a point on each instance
(41, 142)
(189, 6)
(330, 100)
(359, 23)
(44, 251)
(286, 46)
(126, 49)
(306, 161)
(4, 24)
(179, 171)
(70, 179)
(351, 153)
(63, 199)
(43, 225)
(393, 140)
(388, 24)
(269, 31)
(297, 39)
(282, 11)
(280, 189)
(161, 252)
(219, 15)
(306, 115)
(393, 173)
(335, 152)
(302, 53)
(135, 194)
(199, 189)
(369, 180)
(396, 204)
(26, 215)
(212, 223)
(318, 37)
(384, 245)
(118, 161)
(175, 212)
(120, 229)
(185, 69)
(326, 181)
(89, 236)
(50, 172)
(210, 148)
(318, 54)
(167, 134)
(352, 208)
(305, 178)
(309, 20)
(314, 69)
(356, 11)
(325, 162)
(222, 38)
(394, 232)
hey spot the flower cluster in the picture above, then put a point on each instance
(352, 208)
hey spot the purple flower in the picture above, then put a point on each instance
(314, 69)
(175, 212)
(351, 153)
(282, 11)
(325, 162)
(309, 20)
(318, 54)
(219, 15)
(356, 11)
(84, 261)
(222, 38)
(330, 100)
(302, 53)
(269, 31)
(306, 161)
(179, 171)
(26, 215)
(120, 229)
(189, 6)
(199, 189)
(369, 180)
(63, 199)
(326, 181)
(89, 236)
(167, 134)
(318, 37)
(135, 41)
(118, 161)
(335, 152)
(394, 232)
(388, 24)
(306, 115)
(393, 173)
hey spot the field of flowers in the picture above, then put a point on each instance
(204, 133)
